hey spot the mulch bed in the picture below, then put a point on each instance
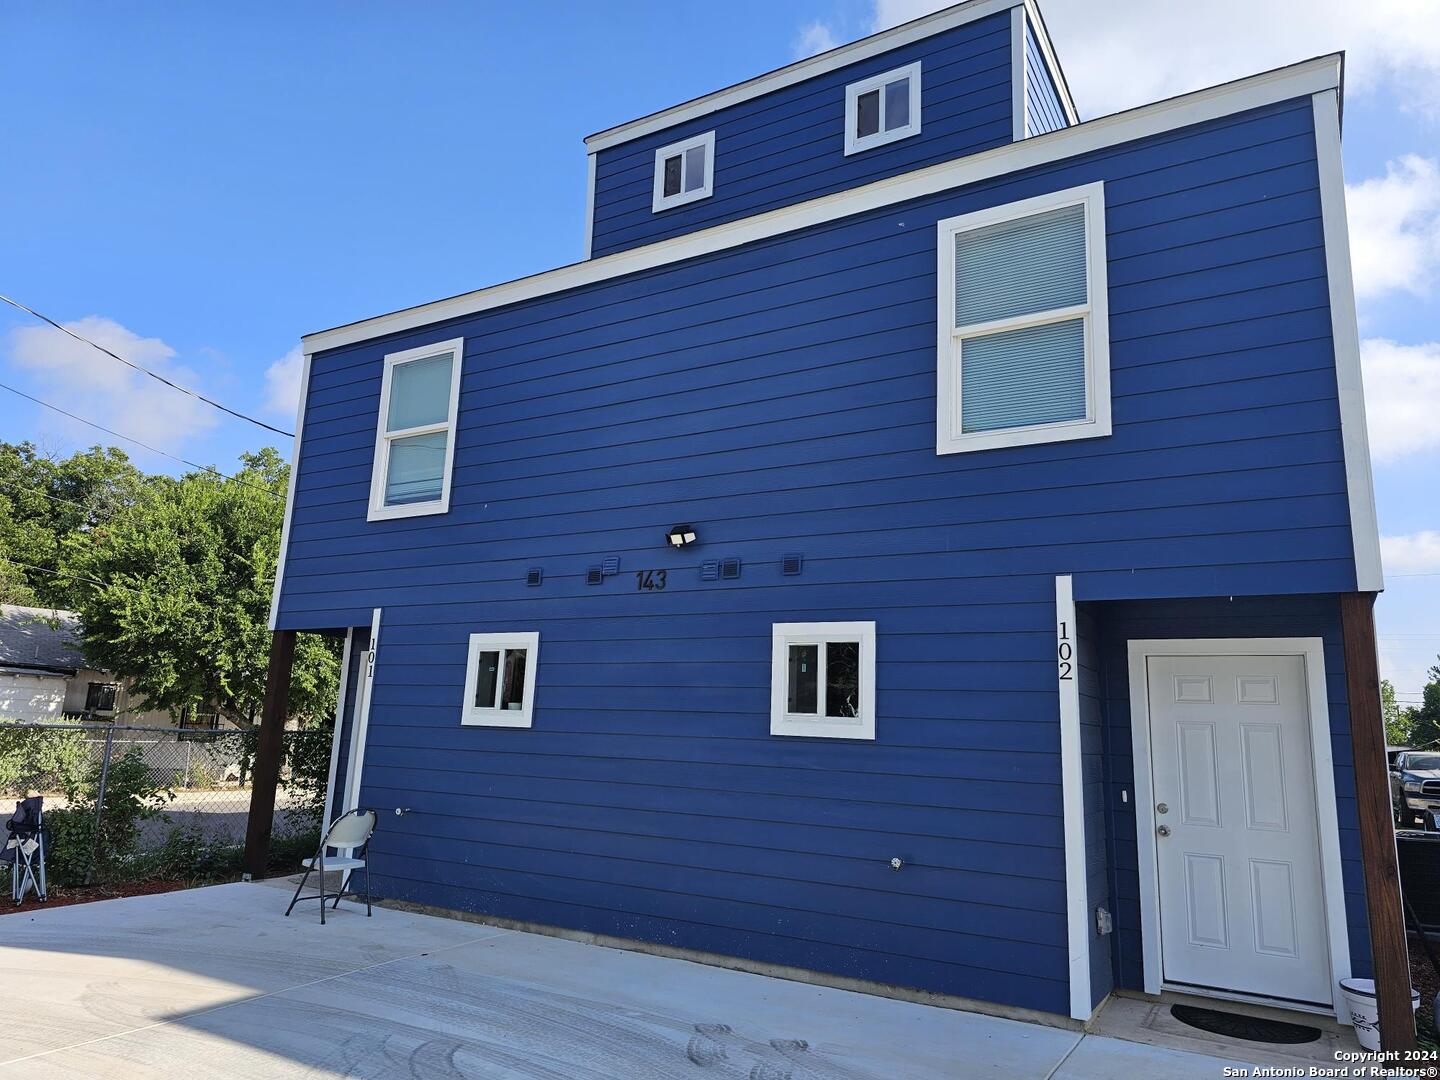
(87, 894)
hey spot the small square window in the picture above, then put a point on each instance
(881, 109)
(823, 680)
(684, 172)
(500, 680)
(100, 696)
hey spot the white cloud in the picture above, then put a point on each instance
(282, 384)
(83, 380)
(1402, 387)
(1395, 228)
(814, 38)
(1117, 53)
(1416, 553)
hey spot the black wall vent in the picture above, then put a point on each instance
(611, 566)
(730, 568)
(710, 570)
(791, 564)
(534, 576)
(594, 576)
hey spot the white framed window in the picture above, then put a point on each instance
(415, 435)
(684, 172)
(822, 680)
(1024, 337)
(500, 679)
(883, 108)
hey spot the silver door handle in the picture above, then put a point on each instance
(1163, 830)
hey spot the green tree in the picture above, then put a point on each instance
(1398, 721)
(173, 592)
(44, 499)
(1425, 719)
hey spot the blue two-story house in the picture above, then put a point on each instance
(909, 549)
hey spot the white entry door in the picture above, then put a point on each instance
(1242, 905)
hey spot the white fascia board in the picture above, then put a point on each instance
(809, 68)
(1297, 81)
(1047, 49)
(290, 492)
(1345, 333)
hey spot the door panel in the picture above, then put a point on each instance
(1241, 893)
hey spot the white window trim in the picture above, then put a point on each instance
(855, 144)
(949, 439)
(378, 510)
(661, 201)
(473, 715)
(819, 726)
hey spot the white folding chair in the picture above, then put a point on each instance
(351, 831)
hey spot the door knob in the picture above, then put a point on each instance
(1162, 808)
(1163, 830)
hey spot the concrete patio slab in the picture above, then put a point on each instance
(217, 981)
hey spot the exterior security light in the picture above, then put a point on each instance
(681, 536)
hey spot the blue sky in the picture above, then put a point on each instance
(198, 185)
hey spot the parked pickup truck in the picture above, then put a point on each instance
(1415, 786)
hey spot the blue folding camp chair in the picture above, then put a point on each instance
(25, 848)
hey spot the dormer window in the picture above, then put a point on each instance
(684, 172)
(881, 109)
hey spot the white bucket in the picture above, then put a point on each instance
(1365, 1013)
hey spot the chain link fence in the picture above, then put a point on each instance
(135, 803)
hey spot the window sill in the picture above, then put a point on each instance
(409, 510)
(825, 728)
(858, 144)
(506, 718)
(1028, 436)
(685, 198)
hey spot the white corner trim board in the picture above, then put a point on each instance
(1312, 652)
(1047, 50)
(1019, 75)
(904, 34)
(589, 207)
(290, 492)
(356, 767)
(1072, 794)
(1299, 80)
(1345, 333)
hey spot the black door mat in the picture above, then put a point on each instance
(1249, 1028)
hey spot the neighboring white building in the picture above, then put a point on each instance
(43, 676)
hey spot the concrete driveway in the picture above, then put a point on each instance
(216, 983)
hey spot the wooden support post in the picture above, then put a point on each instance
(1377, 829)
(266, 773)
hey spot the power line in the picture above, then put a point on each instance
(131, 439)
(44, 495)
(72, 576)
(146, 371)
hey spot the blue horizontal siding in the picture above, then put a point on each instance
(1089, 672)
(1043, 111)
(789, 145)
(1118, 623)
(781, 396)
